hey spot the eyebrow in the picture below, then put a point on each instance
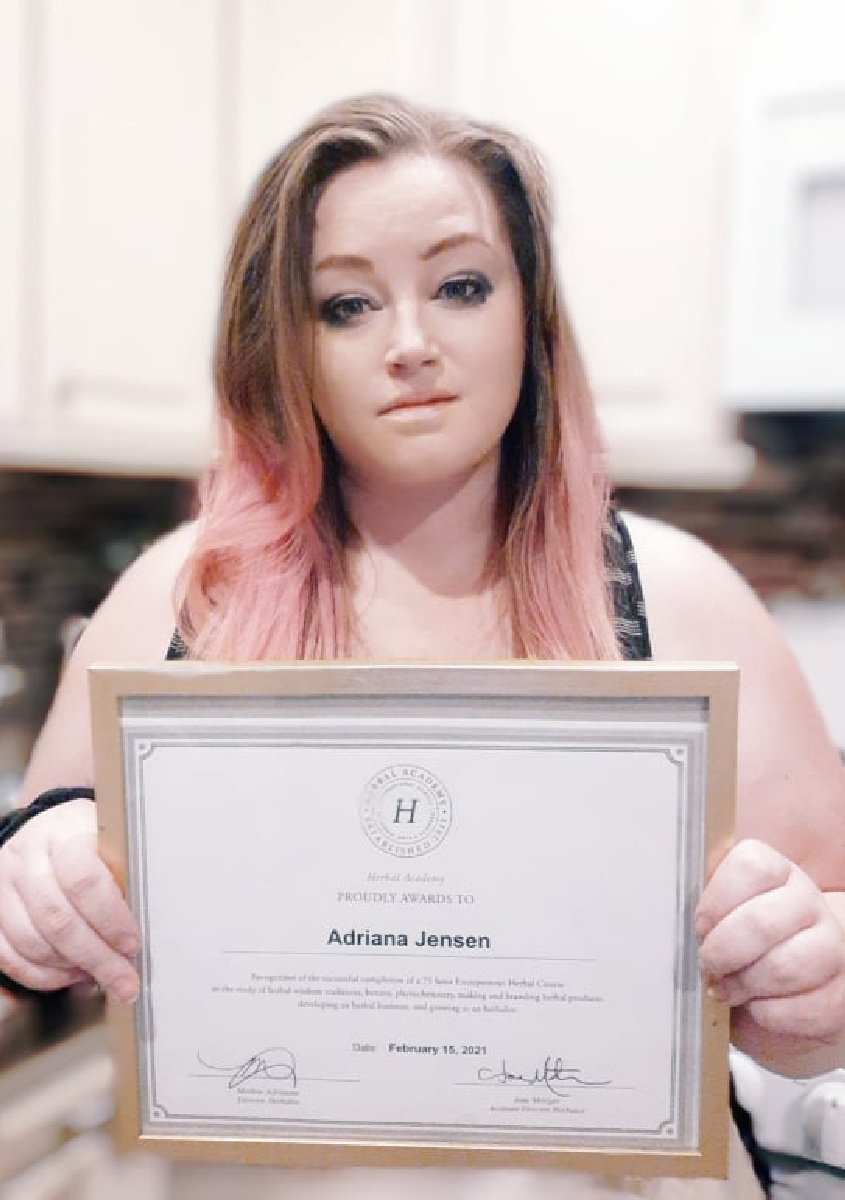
(449, 243)
(357, 262)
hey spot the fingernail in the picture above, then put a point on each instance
(125, 991)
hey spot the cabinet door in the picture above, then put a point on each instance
(295, 58)
(122, 216)
(131, 133)
(13, 227)
(787, 313)
(631, 105)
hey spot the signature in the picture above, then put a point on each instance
(276, 1064)
(553, 1075)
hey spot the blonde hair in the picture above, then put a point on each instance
(267, 578)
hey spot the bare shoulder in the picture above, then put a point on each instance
(134, 624)
(136, 619)
(698, 606)
(791, 786)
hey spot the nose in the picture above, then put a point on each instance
(411, 344)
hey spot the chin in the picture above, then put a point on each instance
(432, 474)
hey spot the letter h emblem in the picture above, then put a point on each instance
(406, 809)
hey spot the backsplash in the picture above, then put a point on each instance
(784, 530)
(64, 538)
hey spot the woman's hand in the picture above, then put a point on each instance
(773, 948)
(62, 916)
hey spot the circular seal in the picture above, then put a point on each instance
(405, 811)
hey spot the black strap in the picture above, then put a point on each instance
(18, 817)
(177, 650)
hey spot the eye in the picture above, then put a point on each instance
(464, 291)
(343, 310)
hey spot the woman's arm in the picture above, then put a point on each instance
(133, 624)
(62, 916)
(771, 919)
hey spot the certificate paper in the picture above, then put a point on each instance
(420, 914)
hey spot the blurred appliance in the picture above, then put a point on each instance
(800, 1125)
(12, 740)
(815, 630)
(786, 309)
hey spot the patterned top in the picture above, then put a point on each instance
(626, 589)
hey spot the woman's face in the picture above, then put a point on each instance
(418, 315)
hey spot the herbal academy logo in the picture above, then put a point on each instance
(405, 811)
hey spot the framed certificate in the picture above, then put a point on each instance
(419, 914)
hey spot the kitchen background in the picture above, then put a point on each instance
(698, 155)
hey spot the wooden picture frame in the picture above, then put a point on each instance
(420, 915)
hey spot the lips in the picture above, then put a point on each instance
(418, 401)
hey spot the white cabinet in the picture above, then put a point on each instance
(130, 132)
(787, 267)
(295, 58)
(112, 142)
(129, 135)
(631, 106)
(13, 229)
(54, 1141)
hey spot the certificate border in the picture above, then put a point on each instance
(684, 754)
(715, 684)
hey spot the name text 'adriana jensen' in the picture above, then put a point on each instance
(433, 941)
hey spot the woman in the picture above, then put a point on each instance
(409, 467)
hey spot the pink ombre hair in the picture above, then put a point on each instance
(267, 579)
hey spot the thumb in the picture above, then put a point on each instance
(114, 862)
(718, 854)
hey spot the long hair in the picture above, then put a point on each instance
(267, 576)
